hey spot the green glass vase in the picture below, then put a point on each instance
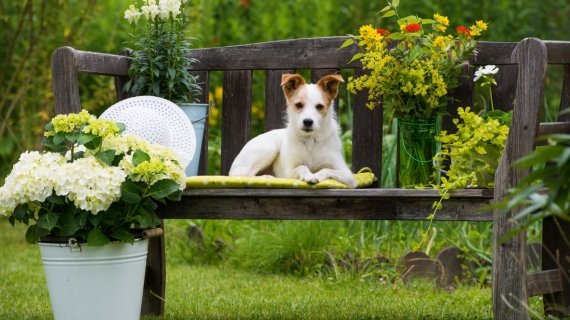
(417, 149)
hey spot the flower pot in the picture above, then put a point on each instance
(197, 113)
(417, 149)
(95, 282)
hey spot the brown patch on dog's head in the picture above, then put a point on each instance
(329, 85)
(291, 83)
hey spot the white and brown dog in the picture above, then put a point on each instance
(309, 148)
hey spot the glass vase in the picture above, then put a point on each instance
(417, 149)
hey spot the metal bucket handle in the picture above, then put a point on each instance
(211, 104)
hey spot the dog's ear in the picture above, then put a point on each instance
(291, 83)
(329, 84)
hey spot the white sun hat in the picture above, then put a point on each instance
(158, 121)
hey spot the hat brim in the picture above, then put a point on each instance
(182, 136)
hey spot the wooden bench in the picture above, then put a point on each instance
(521, 79)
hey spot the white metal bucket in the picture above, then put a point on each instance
(197, 113)
(95, 282)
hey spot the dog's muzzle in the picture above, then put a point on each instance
(308, 123)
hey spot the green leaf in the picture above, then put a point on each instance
(59, 137)
(388, 14)
(356, 56)
(85, 138)
(395, 3)
(97, 237)
(107, 157)
(396, 36)
(123, 235)
(386, 8)
(140, 157)
(347, 43)
(72, 136)
(129, 192)
(94, 144)
(31, 235)
(175, 196)
(69, 224)
(163, 188)
(48, 220)
(122, 127)
(56, 199)
(49, 127)
(20, 212)
(95, 219)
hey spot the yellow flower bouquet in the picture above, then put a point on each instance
(411, 70)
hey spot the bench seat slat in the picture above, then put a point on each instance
(323, 208)
(339, 193)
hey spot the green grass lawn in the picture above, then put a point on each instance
(201, 292)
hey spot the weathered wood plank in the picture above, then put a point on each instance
(544, 282)
(236, 115)
(558, 51)
(509, 267)
(366, 135)
(317, 208)
(64, 81)
(155, 278)
(121, 80)
(556, 255)
(102, 63)
(338, 193)
(505, 90)
(547, 128)
(275, 103)
(565, 95)
(313, 53)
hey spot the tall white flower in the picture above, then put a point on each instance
(151, 10)
(132, 14)
(487, 70)
(169, 6)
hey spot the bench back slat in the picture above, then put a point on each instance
(274, 100)
(236, 115)
(565, 96)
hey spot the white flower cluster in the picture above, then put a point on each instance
(90, 185)
(126, 144)
(168, 7)
(151, 9)
(30, 180)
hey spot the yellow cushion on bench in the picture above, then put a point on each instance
(363, 178)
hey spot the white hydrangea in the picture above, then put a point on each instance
(89, 184)
(30, 180)
(169, 6)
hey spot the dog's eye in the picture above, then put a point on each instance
(320, 107)
(299, 105)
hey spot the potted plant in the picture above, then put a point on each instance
(411, 71)
(80, 199)
(160, 61)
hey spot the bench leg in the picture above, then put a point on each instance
(155, 278)
(556, 255)
(510, 298)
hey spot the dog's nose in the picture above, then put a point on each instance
(308, 122)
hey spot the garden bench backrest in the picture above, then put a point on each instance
(521, 79)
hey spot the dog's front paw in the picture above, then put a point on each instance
(311, 179)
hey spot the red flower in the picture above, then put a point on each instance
(413, 27)
(383, 32)
(244, 3)
(462, 29)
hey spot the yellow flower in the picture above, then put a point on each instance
(441, 19)
(440, 42)
(481, 24)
